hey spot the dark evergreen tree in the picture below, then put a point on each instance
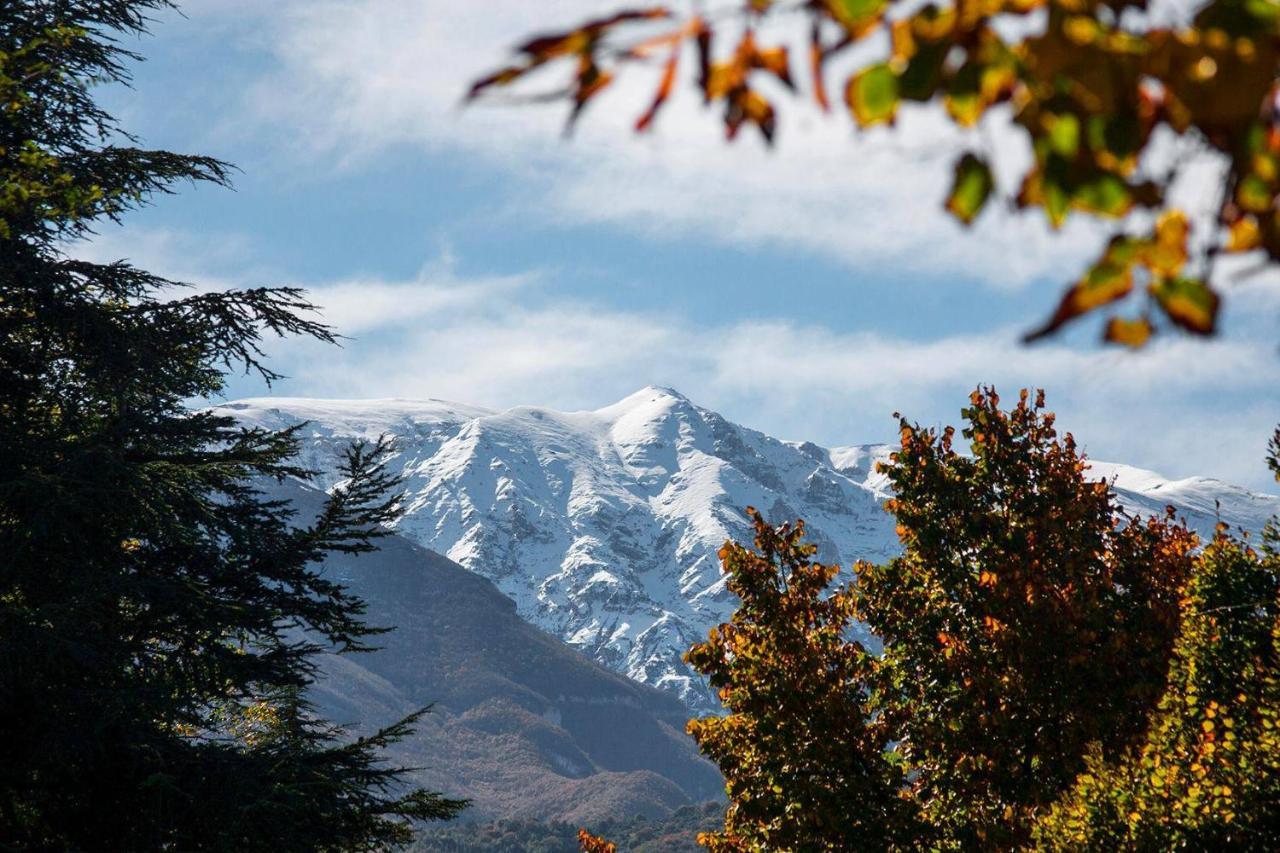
(159, 615)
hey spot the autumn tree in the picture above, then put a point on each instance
(589, 843)
(1026, 619)
(805, 766)
(1207, 775)
(159, 616)
(1091, 85)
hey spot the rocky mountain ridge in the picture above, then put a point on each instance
(603, 525)
(520, 724)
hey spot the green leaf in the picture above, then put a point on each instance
(1107, 195)
(856, 15)
(971, 189)
(1254, 195)
(1189, 302)
(1264, 10)
(872, 95)
(1064, 135)
(1056, 202)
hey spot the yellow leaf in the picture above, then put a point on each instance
(1189, 302)
(1167, 252)
(1081, 29)
(1244, 234)
(1130, 333)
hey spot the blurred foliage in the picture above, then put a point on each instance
(1091, 84)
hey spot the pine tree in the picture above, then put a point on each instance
(159, 616)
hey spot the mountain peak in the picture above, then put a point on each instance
(604, 525)
(646, 397)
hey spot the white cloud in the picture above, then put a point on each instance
(357, 306)
(1183, 407)
(355, 78)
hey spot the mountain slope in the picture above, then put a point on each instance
(521, 724)
(603, 526)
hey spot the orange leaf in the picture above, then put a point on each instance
(502, 77)
(581, 41)
(817, 56)
(775, 61)
(591, 80)
(1109, 279)
(664, 90)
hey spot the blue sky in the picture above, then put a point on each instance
(474, 255)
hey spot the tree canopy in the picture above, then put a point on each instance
(159, 614)
(805, 766)
(1207, 774)
(1027, 618)
(1098, 88)
(1027, 630)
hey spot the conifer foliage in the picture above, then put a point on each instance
(159, 615)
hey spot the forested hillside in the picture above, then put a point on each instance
(521, 724)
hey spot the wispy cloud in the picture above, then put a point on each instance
(1183, 407)
(357, 307)
(351, 80)
(359, 77)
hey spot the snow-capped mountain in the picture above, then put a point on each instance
(603, 526)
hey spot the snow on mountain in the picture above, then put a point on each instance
(603, 526)
(1202, 501)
